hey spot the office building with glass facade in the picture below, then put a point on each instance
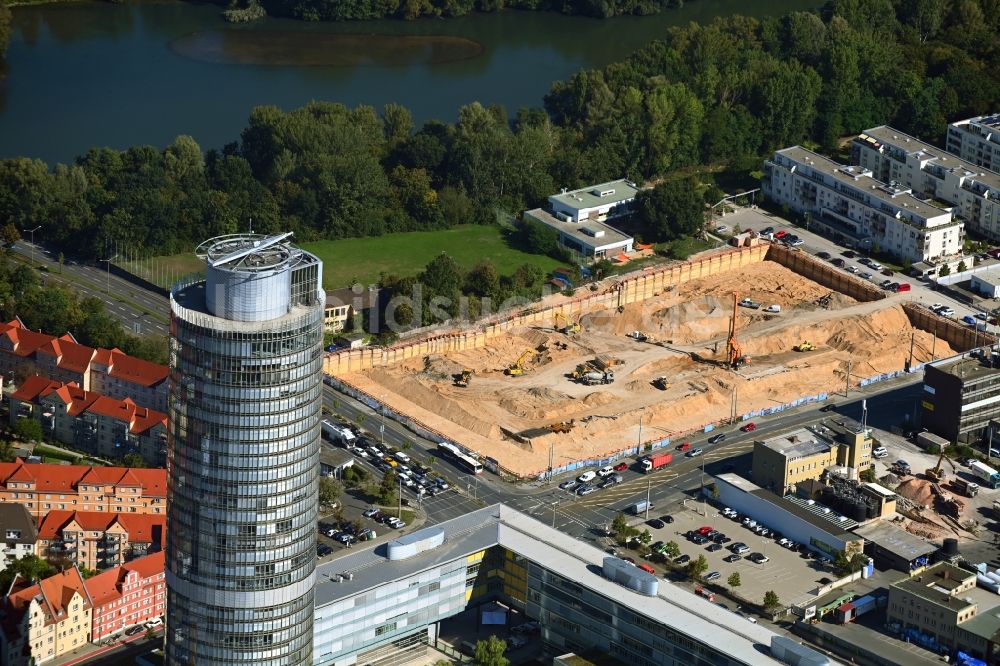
(243, 455)
(383, 604)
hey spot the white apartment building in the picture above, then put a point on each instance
(976, 140)
(855, 208)
(899, 159)
(595, 203)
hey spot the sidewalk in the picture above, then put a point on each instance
(92, 651)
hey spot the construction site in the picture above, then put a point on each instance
(579, 383)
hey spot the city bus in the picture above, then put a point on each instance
(463, 461)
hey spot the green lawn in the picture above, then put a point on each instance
(363, 259)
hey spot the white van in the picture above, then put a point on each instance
(401, 457)
(773, 308)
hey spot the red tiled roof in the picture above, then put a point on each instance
(66, 478)
(106, 587)
(69, 354)
(33, 387)
(55, 592)
(139, 526)
(136, 370)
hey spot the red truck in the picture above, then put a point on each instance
(656, 461)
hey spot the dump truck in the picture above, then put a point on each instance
(656, 461)
(967, 488)
(594, 377)
(606, 362)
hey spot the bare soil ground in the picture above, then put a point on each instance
(694, 317)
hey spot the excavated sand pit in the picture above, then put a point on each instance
(869, 338)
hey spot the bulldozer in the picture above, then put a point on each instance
(568, 327)
(518, 368)
(661, 383)
(464, 378)
(804, 346)
(561, 427)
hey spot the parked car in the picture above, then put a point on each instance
(946, 312)
(656, 523)
(621, 467)
(732, 558)
(714, 547)
(767, 230)
(322, 549)
(853, 269)
(705, 530)
(849, 254)
(885, 284)
(740, 548)
(969, 319)
(865, 276)
(368, 513)
(714, 575)
(682, 559)
(721, 229)
(750, 427)
(838, 262)
(667, 518)
(823, 255)
(715, 439)
(828, 407)
(137, 629)
(780, 234)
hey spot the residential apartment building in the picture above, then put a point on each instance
(782, 461)
(961, 396)
(932, 604)
(354, 308)
(976, 140)
(99, 540)
(46, 620)
(19, 533)
(42, 488)
(102, 426)
(849, 204)
(109, 372)
(383, 604)
(126, 596)
(973, 192)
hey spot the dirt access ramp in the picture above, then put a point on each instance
(685, 319)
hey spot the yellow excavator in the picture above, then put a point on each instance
(936, 474)
(564, 325)
(804, 346)
(518, 367)
(464, 378)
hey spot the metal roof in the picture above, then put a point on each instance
(589, 197)
(902, 543)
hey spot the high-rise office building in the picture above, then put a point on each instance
(243, 454)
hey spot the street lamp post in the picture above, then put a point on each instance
(32, 232)
(108, 262)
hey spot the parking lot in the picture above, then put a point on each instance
(788, 573)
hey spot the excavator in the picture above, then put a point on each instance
(735, 357)
(935, 474)
(464, 378)
(804, 346)
(518, 368)
(568, 327)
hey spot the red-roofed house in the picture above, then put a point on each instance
(98, 539)
(87, 420)
(128, 595)
(45, 620)
(118, 375)
(110, 372)
(42, 488)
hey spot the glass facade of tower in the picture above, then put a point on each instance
(243, 457)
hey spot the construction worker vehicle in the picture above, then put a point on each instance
(936, 474)
(967, 488)
(735, 358)
(804, 346)
(518, 367)
(567, 326)
(595, 377)
(464, 378)
(661, 383)
(638, 336)
(749, 303)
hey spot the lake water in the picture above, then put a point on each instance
(102, 74)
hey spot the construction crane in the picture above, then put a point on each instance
(934, 474)
(734, 353)
(804, 346)
(518, 368)
(568, 327)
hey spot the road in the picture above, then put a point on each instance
(140, 310)
(668, 489)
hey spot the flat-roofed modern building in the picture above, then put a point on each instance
(976, 140)
(595, 203)
(933, 603)
(377, 603)
(961, 396)
(784, 460)
(243, 455)
(851, 205)
(972, 192)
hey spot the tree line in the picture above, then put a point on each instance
(703, 99)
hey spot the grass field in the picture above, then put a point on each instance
(363, 259)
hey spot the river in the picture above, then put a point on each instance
(101, 74)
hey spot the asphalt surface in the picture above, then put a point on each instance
(141, 311)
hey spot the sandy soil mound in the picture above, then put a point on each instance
(917, 491)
